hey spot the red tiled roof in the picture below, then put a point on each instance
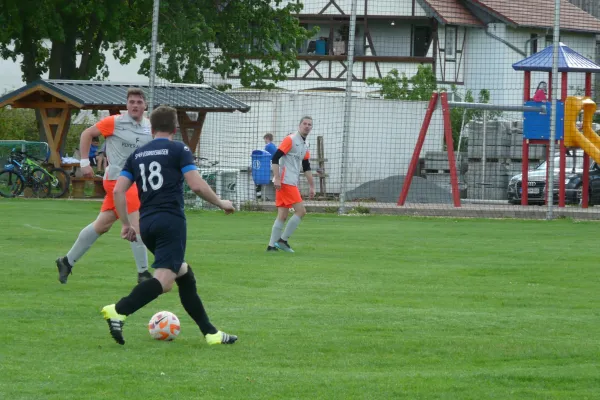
(539, 13)
(451, 12)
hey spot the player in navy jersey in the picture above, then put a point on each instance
(159, 169)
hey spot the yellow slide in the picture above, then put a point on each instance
(588, 141)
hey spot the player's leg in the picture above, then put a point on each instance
(283, 210)
(292, 199)
(294, 222)
(277, 229)
(186, 282)
(154, 236)
(85, 240)
(138, 248)
(188, 294)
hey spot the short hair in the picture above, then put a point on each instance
(164, 119)
(268, 136)
(136, 92)
(305, 117)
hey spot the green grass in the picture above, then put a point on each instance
(369, 307)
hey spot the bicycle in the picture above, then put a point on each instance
(22, 172)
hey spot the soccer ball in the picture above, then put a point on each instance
(164, 325)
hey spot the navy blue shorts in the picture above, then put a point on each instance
(165, 236)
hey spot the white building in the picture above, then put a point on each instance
(469, 43)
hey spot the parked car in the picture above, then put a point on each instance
(536, 189)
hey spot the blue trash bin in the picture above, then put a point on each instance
(261, 167)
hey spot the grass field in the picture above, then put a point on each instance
(368, 307)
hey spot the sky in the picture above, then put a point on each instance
(10, 73)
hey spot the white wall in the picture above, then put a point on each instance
(383, 133)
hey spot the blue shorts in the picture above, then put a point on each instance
(165, 236)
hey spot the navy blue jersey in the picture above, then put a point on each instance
(157, 168)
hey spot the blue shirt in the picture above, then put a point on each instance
(271, 148)
(93, 149)
(157, 168)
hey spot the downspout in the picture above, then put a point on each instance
(513, 47)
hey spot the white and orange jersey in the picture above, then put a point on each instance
(295, 149)
(123, 135)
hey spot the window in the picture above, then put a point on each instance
(450, 45)
(421, 40)
(533, 45)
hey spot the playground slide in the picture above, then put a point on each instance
(588, 141)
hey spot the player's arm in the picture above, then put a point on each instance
(104, 127)
(123, 184)
(199, 185)
(308, 174)
(283, 149)
(85, 141)
(203, 189)
(119, 194)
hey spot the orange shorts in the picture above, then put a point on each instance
(133, 201)
(287, 196)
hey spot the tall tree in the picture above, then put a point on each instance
(68, 39)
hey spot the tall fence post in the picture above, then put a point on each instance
(153, 55)
(550, 188)
(347, 107)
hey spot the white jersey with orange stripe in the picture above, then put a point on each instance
(296, 149)
(123, 135)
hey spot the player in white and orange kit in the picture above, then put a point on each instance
(124, 133)
(289, 160)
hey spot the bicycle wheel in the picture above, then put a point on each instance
(41, 184)
(11, 184)
(60, 182)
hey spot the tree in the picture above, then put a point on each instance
(68, 39)
(420, 87)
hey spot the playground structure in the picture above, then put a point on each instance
(536, 129)
(536, 123)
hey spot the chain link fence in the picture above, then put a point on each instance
(504, 135)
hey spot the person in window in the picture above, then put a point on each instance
(541, 92)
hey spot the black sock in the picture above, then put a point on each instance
(191, 302)
(141, 295)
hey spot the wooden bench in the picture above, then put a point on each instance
(78, 185)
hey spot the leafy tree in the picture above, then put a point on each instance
(68, 39)
(400, 87)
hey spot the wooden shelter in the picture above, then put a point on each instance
(56, 99)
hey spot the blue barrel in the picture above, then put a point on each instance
(261, 167)
(320, 47)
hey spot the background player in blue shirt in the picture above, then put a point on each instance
(272, 149)
(158, 169)
(269, 145)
